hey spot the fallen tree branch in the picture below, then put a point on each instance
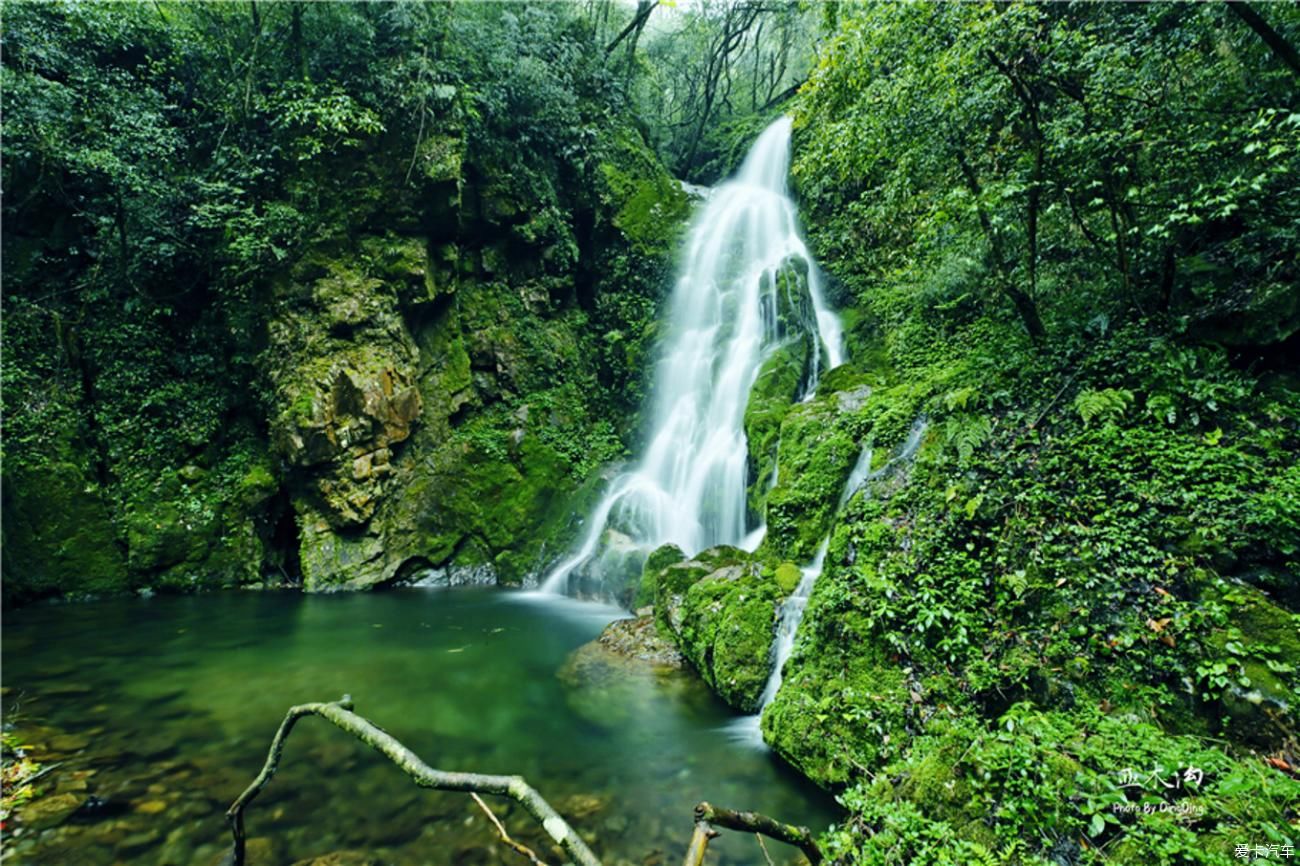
(699, 844)
(707, 815)
(505, 837)
(340, 714)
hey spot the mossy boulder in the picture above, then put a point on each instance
(160, 536)
(831, 714)
(720, 608)
(1258, 706)
(658, 560)
(786, 373)
(847, 700)
(816, 455)
(727, 631)
(787, 576)
(59, 537)
(775, 390)
(672, 580)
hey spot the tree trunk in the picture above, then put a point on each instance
(635, 26)
(1023, 303)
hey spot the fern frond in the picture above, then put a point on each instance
(1107, 404)
(965, 433)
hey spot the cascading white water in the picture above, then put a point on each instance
(793, 607)
(725, 321)
(747, 729)
(792, 614)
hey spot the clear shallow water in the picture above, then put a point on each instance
(176, 700)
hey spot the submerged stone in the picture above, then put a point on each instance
(50, 811)
(624, 674)
(341, 858)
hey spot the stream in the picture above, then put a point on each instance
(161, 710)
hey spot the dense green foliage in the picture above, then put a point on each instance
(1086, 161)
(204, 198)
(1069, 233)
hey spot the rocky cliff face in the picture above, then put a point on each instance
(435, 376)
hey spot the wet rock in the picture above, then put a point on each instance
(50, 811)
(197, 808)
(68, 743)
(578, 806)
(614, 688)
(74, 783)
(137, 843)
(177, 848)
(341, 858)
(639, 640)
(151, 747)
(151, 807)
(258, 851)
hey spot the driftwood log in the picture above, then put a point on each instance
(340, 713)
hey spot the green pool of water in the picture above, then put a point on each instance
(163, 708)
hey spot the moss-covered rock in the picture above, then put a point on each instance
(787, 576)
(815, 457)
(649, 207)
(671, 584)
(658, 560)
(727, 629)
(59, 537)
(1262, 645)
(720, 609)
(829, 714)
(775, 390)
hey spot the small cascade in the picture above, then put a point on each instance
(862, 473)
(748, 289)
(857, 477)
(791, 615)
(792, 609)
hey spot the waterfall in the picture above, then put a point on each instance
(747, 288)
